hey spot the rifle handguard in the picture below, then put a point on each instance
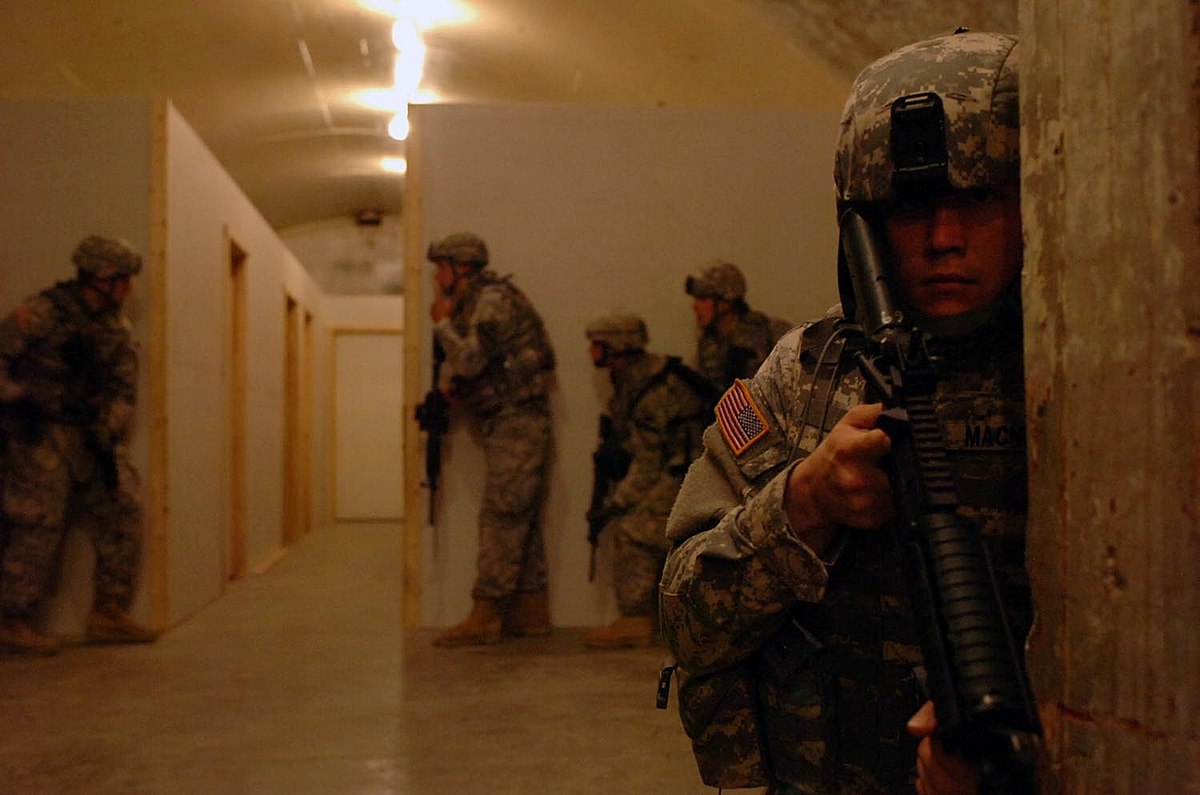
(985, 709)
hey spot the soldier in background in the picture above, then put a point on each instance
(659, 409)
(734, 339)
(502, 363)
(68, 384)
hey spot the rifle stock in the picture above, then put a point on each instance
(985, 708)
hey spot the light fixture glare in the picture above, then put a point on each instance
(398, 126)
(394, 165)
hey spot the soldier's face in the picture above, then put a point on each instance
(956, 253)
(451, 278)
(705, 310)
(599, 353)
(108, 293)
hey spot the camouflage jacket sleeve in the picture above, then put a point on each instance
(18, 334)
(735, 568)
(470, 341)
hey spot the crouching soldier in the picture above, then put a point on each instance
(658, 411)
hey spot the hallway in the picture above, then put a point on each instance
(298, 682)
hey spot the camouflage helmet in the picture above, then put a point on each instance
(463, 248)
(620, 332)
(940, 114)
(717, 279)
(105, 257)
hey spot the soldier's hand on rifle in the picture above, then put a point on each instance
(938, 772)
(842, 482)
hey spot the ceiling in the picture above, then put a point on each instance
(269, 84)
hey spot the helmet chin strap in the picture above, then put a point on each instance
(951, 327)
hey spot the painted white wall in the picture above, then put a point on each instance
(207, 210)
(378, 311)
(595, 210)
(85, 166)
(73, 168)
(349, 258)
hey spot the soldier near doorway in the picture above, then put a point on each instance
(68, 388)
(502, 366)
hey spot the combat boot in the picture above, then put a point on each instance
(17, 637)
(528, 615)
(108, 623)
(481, 628)
(626, 632)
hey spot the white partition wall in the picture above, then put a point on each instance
(73, 168)
(594, 210)
(135, 169)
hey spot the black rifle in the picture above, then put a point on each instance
(433, 417)
(81, 404)
(22, 420)
(610, 462)
(976, 680)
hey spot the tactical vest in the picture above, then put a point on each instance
(686, 430)
(835, 687)
(517, 372)
(739, 354)
(75, 366)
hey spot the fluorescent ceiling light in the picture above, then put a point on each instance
(398, 126)
(386, 99)
(424, 14)
(394, 165)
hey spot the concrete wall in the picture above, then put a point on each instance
(1112, 295)
(594, 210)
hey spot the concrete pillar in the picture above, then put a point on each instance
(1111, 196)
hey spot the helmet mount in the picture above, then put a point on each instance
(919, 146)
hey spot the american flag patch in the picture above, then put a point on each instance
(741, 422)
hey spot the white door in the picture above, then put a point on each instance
(368, 429)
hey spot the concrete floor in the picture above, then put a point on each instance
(298, 682)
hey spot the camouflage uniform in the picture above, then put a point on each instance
(723, 354)
(824, 645)
(68, 461)
(502, 361)
(737, 585)
(659, 418)
(723, 357)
